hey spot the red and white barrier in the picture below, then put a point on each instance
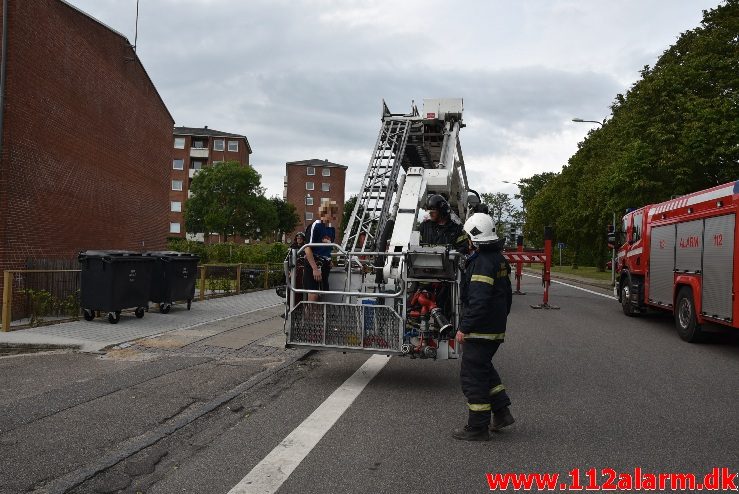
(519, 257)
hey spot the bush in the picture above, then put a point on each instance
(232, 253)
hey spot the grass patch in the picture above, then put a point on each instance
(583, 271)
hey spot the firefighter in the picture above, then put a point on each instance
(441, 229)
(486, 297)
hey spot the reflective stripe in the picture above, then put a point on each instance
(486, 336)
(462, 238)
(497, 389)
(479, 407)
(483, 279)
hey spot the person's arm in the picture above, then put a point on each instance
(317, 275)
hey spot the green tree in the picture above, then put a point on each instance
(529, 187)
(227, 198)
(501, 208)
(287, 217)
(675, 131)
(348, 210)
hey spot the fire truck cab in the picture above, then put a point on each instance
(681, 256)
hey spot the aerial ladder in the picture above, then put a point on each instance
(389, 293)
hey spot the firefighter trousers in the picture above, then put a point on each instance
(481, 383)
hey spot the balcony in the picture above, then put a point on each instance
(199, 152)
(193, 172)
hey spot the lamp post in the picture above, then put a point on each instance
(580, 120)
(613, 250)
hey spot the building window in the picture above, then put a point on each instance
(308, 201)
(311, 170)
(179, 143)
(327, 172)
(309, 216)
(174, 228)
(233, 146)
(178, 164)
(309, 186)
(175, 206)
(217, 144)
(196, 165)
(325, 187)
(176, 184)
(199, 144)
(217, 162)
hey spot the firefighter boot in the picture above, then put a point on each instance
(472, 434)
(501, 418)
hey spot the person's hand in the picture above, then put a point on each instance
(460, 337)
(317, 275)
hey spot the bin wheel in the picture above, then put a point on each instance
(164, 308)
(114, 317)
(140, 312)
(189, 304)
(89, 314)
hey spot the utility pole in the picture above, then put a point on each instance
(613, 255)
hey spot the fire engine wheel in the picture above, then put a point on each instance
(685, 319)
(626, 304)
(89, 314)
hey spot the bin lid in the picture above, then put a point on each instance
(108, 253)
(169, 253)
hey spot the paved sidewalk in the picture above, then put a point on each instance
(95, 335)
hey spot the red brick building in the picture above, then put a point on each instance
(86, 142)
(309, 181)
(194, 149)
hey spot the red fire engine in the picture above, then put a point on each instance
(681, 256)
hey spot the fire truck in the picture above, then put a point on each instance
(680, 256)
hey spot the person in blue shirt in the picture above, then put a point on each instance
(318, 258)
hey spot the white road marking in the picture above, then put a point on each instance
(276, 467)
(575, 287)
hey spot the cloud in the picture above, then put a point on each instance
(305, 79)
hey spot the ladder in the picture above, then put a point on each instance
(380, 183)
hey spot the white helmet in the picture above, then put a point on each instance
(480, 228)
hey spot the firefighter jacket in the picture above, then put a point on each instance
(450, 233)
(486, 296)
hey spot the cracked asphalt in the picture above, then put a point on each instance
(196, 411)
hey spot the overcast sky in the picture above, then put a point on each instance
(305, 79)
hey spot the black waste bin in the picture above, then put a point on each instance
(174, 278)
(113, 280)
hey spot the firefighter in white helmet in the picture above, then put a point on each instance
(486, 297)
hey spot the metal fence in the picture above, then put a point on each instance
(218, 280)
(34, 297)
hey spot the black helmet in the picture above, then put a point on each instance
(300, 234)
(438, 203)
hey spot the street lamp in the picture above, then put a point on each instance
(580, 120)
(613, 251)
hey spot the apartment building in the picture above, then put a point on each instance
(193, 150)
(307, 182)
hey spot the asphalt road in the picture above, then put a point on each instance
(590, 388)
